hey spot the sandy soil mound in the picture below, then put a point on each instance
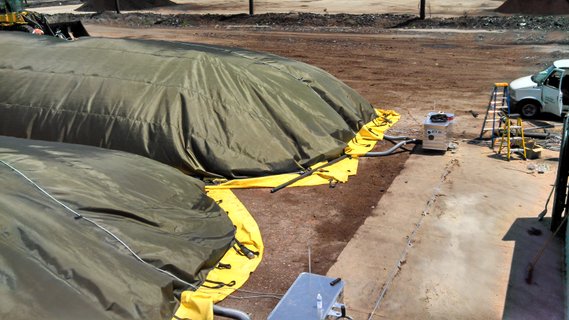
(127, 5)
(537, 7)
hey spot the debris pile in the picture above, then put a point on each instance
(128, 5)
(553, 142)
(535, 7)
(308, 22)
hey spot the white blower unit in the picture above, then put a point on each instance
(437, 131)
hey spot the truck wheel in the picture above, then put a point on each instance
(528, 109)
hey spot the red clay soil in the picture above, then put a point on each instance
(535, 7)
(321, 217)
(110, 5)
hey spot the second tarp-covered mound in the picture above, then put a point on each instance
(59, 205)
(210, 111)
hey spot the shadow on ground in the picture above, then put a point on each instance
(542, 297)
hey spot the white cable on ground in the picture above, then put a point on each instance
(411, 237)
(78, 215)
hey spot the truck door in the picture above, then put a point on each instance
(552, 96)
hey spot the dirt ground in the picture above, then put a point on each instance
(433, 8)
(413, 72)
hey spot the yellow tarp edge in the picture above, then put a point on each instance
(363, 142)
(199, 304)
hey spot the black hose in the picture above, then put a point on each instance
(33, 22)
(537, 135)
(230, 313)
(369, 154)
(246, 251)
(390, 150)
(395, 138)
(308, 173)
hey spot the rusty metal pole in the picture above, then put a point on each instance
(251, 11)
(422, 10)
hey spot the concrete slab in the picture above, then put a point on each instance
(469, 255)
(378, 244)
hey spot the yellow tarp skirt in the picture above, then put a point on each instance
(199, 304)
(364, 142)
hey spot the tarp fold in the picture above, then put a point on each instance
(56, 264)
(207, 110)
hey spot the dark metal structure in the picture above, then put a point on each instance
(560, 200)
(14, 17)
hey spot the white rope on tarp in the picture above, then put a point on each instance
(79, 216)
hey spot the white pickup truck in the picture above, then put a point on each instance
(545, 91)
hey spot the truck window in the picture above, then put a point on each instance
(540, 76)
(553, 80)
(565, 89)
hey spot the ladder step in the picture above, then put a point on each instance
(517, 150)
(498, 107)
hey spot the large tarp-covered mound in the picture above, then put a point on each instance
(110, 5)
(210, 111)
(537, 7)
(54, 265)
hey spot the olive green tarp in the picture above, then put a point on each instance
(54, 265)
(207, 110)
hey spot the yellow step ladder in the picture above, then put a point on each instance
(498, 106)
(512, 135)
